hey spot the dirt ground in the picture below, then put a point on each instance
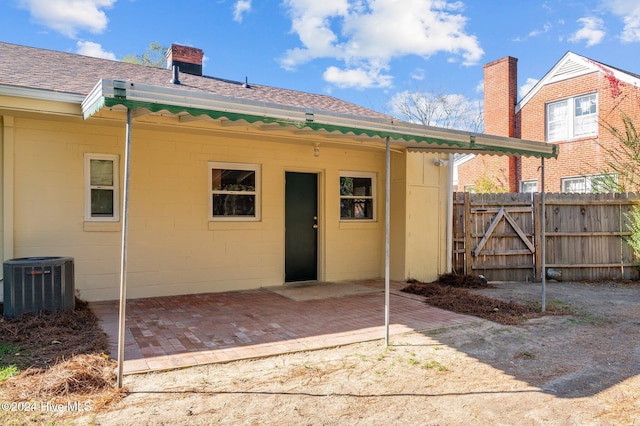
(582, 368)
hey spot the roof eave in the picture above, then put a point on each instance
(40, 94)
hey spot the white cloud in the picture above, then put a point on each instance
(69, 16)
(526, 87)
(89, 48)
(629, 11)
(367, 34)
(358, 78)
(592, 31)
(418, 74)
(545, 29)
(240, 8)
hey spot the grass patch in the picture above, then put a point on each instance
(8, 371)
(434, 364)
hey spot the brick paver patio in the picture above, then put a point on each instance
(178, 331)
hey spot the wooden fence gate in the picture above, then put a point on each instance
(499, 236)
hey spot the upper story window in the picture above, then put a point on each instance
(101, 188)
(572, 118)
(234, 191)
(357, 195)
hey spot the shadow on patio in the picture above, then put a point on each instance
(178, 331)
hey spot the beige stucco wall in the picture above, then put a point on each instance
(173, 248)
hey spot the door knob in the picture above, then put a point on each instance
(315, 226)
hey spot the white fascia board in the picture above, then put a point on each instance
(552, 75)
(40, 94)
(463, 159)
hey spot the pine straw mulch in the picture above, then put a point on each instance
(62, 357)
(449, 292)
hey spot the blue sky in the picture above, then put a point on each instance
(362, 51)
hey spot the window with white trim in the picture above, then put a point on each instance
(589, 184)
(529, 186)
(234, 193)
(357, 195)
(572, 118)
(101, 188)
(470, 188)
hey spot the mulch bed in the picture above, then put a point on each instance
(60, 354)
(45, 338)
(449, 292)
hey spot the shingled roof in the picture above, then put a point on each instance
(62, 72)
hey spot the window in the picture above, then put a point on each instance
(357, 196)
(593, 183)
(529, 186)
(234, 191)
(102, 197)
(470, 188)
(572, 118)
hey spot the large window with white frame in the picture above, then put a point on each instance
(234, 191)
(101, 188)
(357, 195)
(588, 184)
(572, 118)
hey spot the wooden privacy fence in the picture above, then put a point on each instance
(499, 236)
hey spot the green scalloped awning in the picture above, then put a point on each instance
(109, 93)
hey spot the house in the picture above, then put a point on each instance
(227, 185)
(572, 106)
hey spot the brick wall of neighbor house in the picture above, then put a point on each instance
(484, 172)
(578, 157)
(500, 97)
(581, 156)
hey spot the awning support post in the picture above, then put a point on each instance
(543, 239)
(123, 254)
(387, 210)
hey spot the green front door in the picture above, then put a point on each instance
(301, 227)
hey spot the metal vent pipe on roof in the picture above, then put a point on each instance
(176, 74)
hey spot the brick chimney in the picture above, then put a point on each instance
(189, 59)
(500, 97)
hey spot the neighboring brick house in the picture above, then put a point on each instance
(570, 106)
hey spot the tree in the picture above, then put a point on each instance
(154, 56)
(439, 109)
(634, 227)
(622, 171)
